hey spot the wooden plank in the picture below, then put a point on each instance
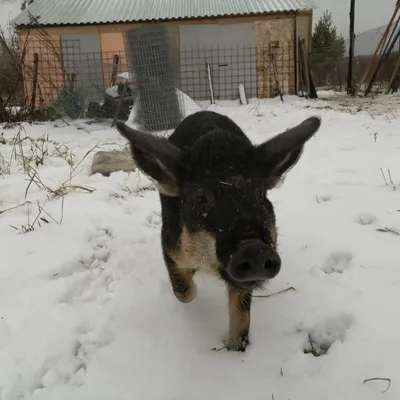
(114, 70)
(381, 60)
(35, 80)
(380, 44)
(394, 74)
(306, 66)
(351, 49)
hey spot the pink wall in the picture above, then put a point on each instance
(111, 44)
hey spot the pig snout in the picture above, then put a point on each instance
(252, 261)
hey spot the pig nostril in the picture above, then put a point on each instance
(245, 266)
(268, 264)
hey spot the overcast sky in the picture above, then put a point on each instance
(369, 13)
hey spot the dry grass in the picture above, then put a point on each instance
(138, 190)
(13, 208)
(389, 230)
(30, 153)
(41, 216)
(388, 179)
(54, 193)
(5, 168)
(66, 187)
(388, 380)
(264, 296)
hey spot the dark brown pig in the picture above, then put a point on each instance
(216, 217)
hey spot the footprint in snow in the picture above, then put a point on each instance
(70, 368)
(323, 335)
(93, 286)
(153, 220)
(323, 198)
(95, 255)
(337, 262)
(90, 281)
(98, 252)
(365, 219)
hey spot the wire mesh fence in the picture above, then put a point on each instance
(226, 68)
(45, 73)
(58, 74)
(154, 66)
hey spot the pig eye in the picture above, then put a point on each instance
(204, 198)
(260, 191)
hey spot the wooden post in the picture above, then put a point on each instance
(34, 82)
(114, 69)
(351, 49)
(301, 68)
(380, 62)
(394, 75)
(3, 111)
(383, 38)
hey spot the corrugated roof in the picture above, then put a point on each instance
(72, 12)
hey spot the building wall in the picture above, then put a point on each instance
(83, 65)
(274, 31)
(275, 57)
(112, 44)
(304, 28)
(50, 74)
(229, 52)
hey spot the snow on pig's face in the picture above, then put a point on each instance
(221, 183)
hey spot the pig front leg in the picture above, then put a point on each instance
(239, 319)
(181, 279)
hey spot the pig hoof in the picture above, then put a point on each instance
(188, 295)
(237, 344)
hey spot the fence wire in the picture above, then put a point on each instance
(91, 84)
(60, 75)
(154, 68)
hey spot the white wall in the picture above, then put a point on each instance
(230, 50)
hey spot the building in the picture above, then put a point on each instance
(253, 42)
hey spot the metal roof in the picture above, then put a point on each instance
(73, 12)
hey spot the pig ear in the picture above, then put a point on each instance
(281, 153)
(156, 157)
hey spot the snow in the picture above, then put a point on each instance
(113, 91)
(126, 75)
(242, 94)
(86, 309)
(187, 106)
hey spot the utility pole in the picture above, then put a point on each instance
(351, 49)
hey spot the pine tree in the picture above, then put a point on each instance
(327, 47)
(25, 3)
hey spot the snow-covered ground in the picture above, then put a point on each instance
(86, 307)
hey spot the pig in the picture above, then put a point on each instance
(216, 217)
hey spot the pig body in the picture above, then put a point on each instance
(216, 216)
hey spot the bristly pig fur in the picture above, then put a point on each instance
(216, 217)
